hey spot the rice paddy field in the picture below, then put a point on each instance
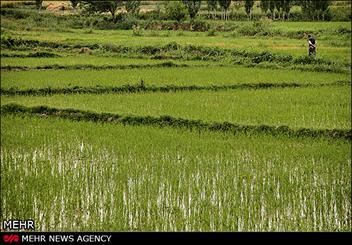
(106, 130)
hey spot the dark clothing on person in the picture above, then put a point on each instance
(311, 46)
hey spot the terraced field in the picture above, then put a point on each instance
(328, 49)
(175, 132)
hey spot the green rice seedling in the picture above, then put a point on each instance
(319, 108)
(128, 178)
(182, 76)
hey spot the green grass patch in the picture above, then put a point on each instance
(319, 108)
(187, 76)
(83, 61)
(169, 121)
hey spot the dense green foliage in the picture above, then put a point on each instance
(102, 6)
(38, 3)
(193, 7)
(175, 10)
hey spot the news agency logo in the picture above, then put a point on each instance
(11, 238)
(55, 238)
(18, 225)
(29, 225)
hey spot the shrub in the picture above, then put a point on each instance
(43, 54)
(171, 46)
(265, 56)
(238, 14)
(127, 22)
(38, 4)
(199, 25)
(175, 10)
(296, 13)
(14, 13)
(307, 60)
(340, 13)
(261, 27)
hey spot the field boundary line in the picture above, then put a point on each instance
(95, 67)
(141, 88)
(272, 66)
(169, 121)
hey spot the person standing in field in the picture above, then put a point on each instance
(312, 46)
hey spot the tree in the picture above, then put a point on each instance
(264, 5)
(193, 7)
(225, 5)
(175, 10)
(323, 7)
(132, 6)
(212, 5)
(286, 8)
(313, 9)
(272, 6)
(38, 4)
(103, 6)
(74, 3)
(248, 6)
(279, 4)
